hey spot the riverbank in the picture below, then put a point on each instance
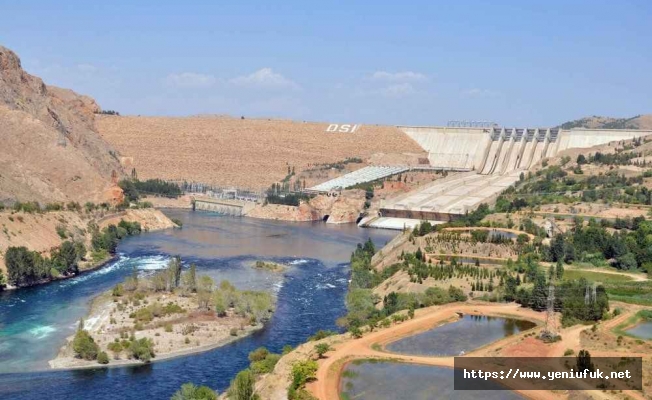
(45, 232)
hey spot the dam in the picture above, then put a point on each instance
(494, 157)
(231, 207)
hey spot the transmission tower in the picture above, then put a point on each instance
(550, 331)
(550, 328)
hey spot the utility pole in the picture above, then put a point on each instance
(549, 331)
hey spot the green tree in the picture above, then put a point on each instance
(190, 279)
(3, 281)
(103, 358)
(189, 391)
(539, 298)
(356, 332)
(303, 372)
(84, 345)
(242, 387)
(559, 270)
(173, 273)
(204, 291)
(321, 349)
(219, 303)
(258, 355)
(456, 294)
(142, 349)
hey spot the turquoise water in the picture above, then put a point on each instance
(34, 322)
(462, 336)
(397, 381)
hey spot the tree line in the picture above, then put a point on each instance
(26, 267)
(134, 189)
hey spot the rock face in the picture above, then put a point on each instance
(50, 149)
(345, 208)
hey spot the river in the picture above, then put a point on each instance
(34, 322)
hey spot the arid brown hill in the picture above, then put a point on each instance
(49, 149)
(252, 153)
(596, 122)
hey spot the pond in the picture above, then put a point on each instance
(642, 330)
(375, 380)
(462, 336)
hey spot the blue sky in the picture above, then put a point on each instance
(417, 63)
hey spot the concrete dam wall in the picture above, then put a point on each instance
(496, 156)
(503, 150)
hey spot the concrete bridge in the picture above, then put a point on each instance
(222, 206)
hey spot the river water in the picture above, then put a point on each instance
(34, 322)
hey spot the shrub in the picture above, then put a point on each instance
(189, 391)
(302, 372)
(61, 231)
(84, 345)
(142, 349)
(265, 365)
(242, 387)
(118, 290)
(321, 334)
(321, 349)
(103, 358)
(258, 354)
(356, 332)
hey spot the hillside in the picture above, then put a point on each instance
(250, 153)
(50, 149)
(597, 122)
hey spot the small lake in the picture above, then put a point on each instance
(642, 330)
(464, 335)
(376, 380)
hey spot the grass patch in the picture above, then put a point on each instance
(630, 292)
(572, 274)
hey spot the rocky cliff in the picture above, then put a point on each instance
(345, 208)
(50, 149)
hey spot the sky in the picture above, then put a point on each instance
(515, 63)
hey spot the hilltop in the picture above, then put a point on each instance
(50, 148)
(597, 122)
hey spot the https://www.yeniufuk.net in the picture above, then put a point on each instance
(549, 375)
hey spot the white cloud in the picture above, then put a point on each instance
(404, 76)
(477, 92)
(190, 80)
(265, 78)
(398, 90)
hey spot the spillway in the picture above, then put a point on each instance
(496, 157)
